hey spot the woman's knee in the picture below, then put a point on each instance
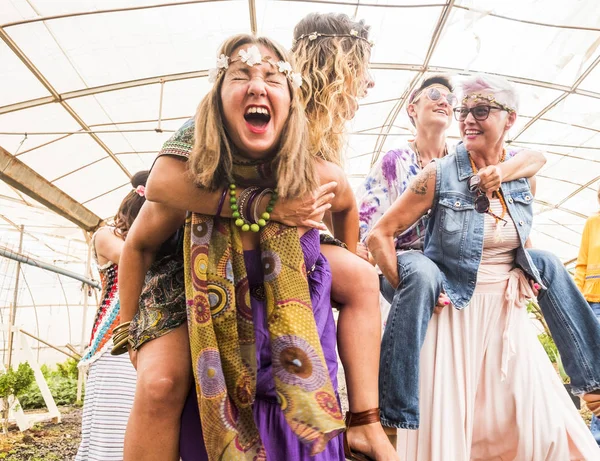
(163, 392)
(414, 266)
(359, 277)
(547, 263)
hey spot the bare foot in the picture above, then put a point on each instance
(371, 440)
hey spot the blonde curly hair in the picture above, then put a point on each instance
(335, 70)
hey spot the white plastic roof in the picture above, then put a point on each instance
(91, 89)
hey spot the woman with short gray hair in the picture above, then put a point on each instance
(488, 391)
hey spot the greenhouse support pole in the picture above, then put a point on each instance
(88, 274)
(42, 265)
(13, 307)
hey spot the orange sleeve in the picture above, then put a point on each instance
(581, 267)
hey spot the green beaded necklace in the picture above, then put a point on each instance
(240, 220)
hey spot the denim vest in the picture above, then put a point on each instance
(454, 236)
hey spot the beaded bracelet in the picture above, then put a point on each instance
(242, 203)
(241, 221)
(248, 210)
(266, 215)
(221, 202)
(121, 338)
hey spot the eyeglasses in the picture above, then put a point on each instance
(480, 113)
(434, 94)
(482, 202)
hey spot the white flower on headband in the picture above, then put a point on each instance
(222, 65)
(251, 56)
(314, 35)
(296, 79)
(223, 62)
(284, 67)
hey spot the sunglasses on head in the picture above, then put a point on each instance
(482, 202)
(434, 94)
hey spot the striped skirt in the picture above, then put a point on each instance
(108, 400)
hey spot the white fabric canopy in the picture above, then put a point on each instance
(91, 90)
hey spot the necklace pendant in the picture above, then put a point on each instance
(498, 238)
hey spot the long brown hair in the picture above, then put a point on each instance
(211, 160)
(131, 205)
(335, 69)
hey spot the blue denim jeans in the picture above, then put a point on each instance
(412, 306)
(595, 426)
(571, 321)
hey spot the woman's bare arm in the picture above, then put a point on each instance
(108, 246)
(343, 216)
(405, 211)
(170, 184)
(524, 164)
(153, 226)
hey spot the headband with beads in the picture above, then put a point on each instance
(251, 57)
(314, 35)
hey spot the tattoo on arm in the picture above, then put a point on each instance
(419, 185)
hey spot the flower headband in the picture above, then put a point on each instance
(489, 98)
(314, 35)
(251, 57)
(140, 190)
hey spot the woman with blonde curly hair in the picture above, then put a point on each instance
(332, 52)
(329, 93)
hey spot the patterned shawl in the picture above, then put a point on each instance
(222, 335)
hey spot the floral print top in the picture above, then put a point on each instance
(386, 181)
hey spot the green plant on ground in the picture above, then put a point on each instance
(68, 369)
(62, 381)
(13, 383)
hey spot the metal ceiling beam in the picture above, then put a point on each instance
(252, 8)
(42, 79)
(575, 192)
(550, 207)
(439, 28)
(112, 10)
(103, 89)
(192, 2)
(332, 2)
(21, 177)
(525, 21)
(7, 253)
(459, 71)
(30, 235)
(204, 73)
(554, 103)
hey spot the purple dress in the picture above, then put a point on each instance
(279, 441)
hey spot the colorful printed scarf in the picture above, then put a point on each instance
(222, 336)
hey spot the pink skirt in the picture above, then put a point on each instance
(488, 390)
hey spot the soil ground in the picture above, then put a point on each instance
(46, 441)
(59, 442)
